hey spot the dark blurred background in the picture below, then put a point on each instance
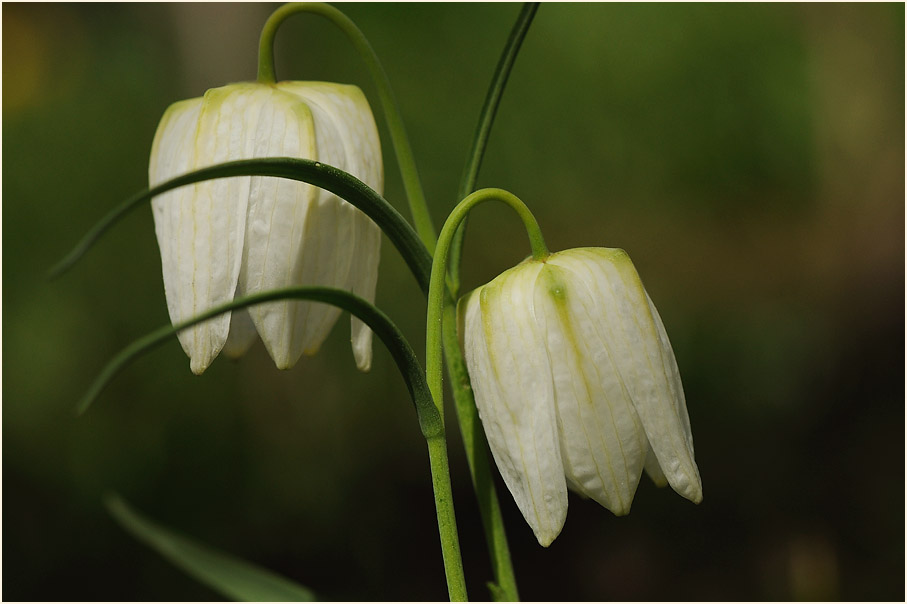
(750, 158)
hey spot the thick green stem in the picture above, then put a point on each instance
(436, 288)
(447, 520)
(441, 304)
(411, 183)
(494, 528)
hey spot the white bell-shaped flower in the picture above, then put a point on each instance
(576, 385)
(236, 236)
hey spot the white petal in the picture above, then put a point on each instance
(672, 372)
(363, 282)
(511, 377)
(644, 368)
(279, 213)
(354, 127)
(602, 442)
(206, 222)
(349, 110)
(172, 154)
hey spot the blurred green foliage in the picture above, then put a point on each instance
(750, 159)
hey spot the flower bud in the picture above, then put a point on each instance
(576, 385)
(241, 235)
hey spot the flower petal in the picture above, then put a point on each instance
(511, 376)
(363, 282)
(602, 442)
(349, 110)
(280, 212)
(648, 369)
(301, 235)
(354, 127)
(172, 154)
(205, 225)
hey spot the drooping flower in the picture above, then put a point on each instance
(236, 236)
(576, 385)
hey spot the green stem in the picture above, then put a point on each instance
(447, 520)
(411, 183)
(266, 71)
(438, 304)
(433, 349)
(436, 289)
(483, 130)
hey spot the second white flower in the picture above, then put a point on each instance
(576, 385)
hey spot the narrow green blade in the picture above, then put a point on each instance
(229, 576)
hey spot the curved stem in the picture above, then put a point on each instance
(411, 183)
(483, 130)
(266, 71)
(436, 288)
(438, 303)
(433, 348)
(319, 174)
(473, 439)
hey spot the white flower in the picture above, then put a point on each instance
(576, 385)
(229, 237)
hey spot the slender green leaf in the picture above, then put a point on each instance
(430, 420)
(483, 129)
(231, 577)
(344, 185)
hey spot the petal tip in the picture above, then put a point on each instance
(623, 510)
(546, 538)
(198, 366)
(362, 353)
(692, 491)
(283, 364)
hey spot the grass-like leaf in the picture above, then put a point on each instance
(344, 185)
(231, 577)
(483, 130)
(430, 421)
